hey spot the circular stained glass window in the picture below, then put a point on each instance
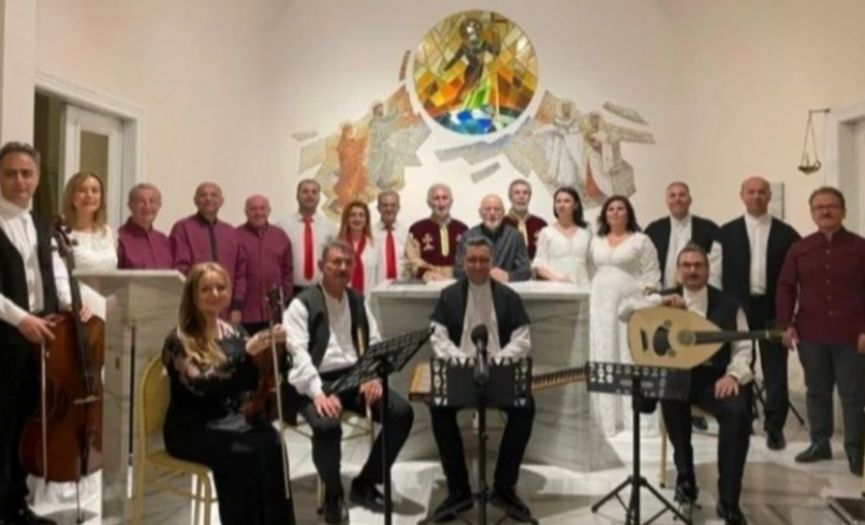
(475, 72)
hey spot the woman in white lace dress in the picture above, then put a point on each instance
(84, 210)
(563, 246)
(625, 266)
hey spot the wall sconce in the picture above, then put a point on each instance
(806, 166)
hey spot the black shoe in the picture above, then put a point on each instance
(335, 511)
(815, 452)
(699, 423)
(453, 504)
(855, 462)
(25, 516)
(731, 514)
(366, 495)
(506, 499)
(686, 492)
(775, 440)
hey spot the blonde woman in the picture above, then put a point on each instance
(210, 368)
(84, 210)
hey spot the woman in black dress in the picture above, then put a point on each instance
(210, 367)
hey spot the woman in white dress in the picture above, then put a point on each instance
(625, 266)
(84, 210)
(356, 230)
(563, 246)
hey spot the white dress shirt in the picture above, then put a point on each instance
(340, 352)
(680, 235)
(323, 231)
(400, 234)
(480, 310)
(758, 237)
(17, 224)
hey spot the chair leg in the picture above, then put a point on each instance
(208, 500)
(371, 425)
(662, 475)
(138, 491)
(319, 495)
(196, 499)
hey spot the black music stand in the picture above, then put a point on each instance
(641, 383)
(454, 384)
(380, 361)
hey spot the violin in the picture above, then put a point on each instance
(63, 440)
(268, 394)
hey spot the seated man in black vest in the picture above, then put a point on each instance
(721, 386)
(473, 300)
(325, 326)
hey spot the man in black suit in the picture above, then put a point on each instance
(760, 243)
(671, 234)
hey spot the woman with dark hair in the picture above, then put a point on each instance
(210, 368)
(563, 247)
(356, 230)
(625, 266)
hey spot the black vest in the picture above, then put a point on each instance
(319, 326)
(13, 280)
(703, 233)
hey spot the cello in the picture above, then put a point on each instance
(62, 442)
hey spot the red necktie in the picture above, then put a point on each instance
(308, 268)
(390, 254)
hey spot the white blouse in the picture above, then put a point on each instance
(94, 251)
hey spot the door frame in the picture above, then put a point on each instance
(842, 163)
(130, 115)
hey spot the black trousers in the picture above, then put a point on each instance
(515, 438)
(734, 419)
(327, 438)
(773, 359)
(19, 399)
(247, 468)
(824, 367)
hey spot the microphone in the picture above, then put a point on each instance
(479, 337)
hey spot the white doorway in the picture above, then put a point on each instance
(845, 155)
(94, 142)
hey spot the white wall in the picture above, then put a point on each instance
(198, 70)
(223, 84)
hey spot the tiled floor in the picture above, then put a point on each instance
(776, 489)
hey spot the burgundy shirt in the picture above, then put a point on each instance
(828, 280)
(194, 240)
(534, 225)
(268, 262)
(139, 249)
(426, 233)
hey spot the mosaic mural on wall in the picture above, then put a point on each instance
(475, 72)
(367, 155)
(564, 146)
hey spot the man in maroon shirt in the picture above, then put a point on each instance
(519, 217)
(202, 237)
(268, 263)
(140, 246)
(825, 273)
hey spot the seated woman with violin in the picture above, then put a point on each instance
(211, 368)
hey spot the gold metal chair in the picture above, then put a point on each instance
(662, 473)
(153, 398)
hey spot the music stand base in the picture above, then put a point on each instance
(479, 497)
(850, 510)
(637, 484)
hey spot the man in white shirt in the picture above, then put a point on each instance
(476, 300)
(721, 386)
(755, 246)
(390, 236)
(327, 327)
(671, 234)
(33, 283)
(308, 230)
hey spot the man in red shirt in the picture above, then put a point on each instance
(825, 274)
